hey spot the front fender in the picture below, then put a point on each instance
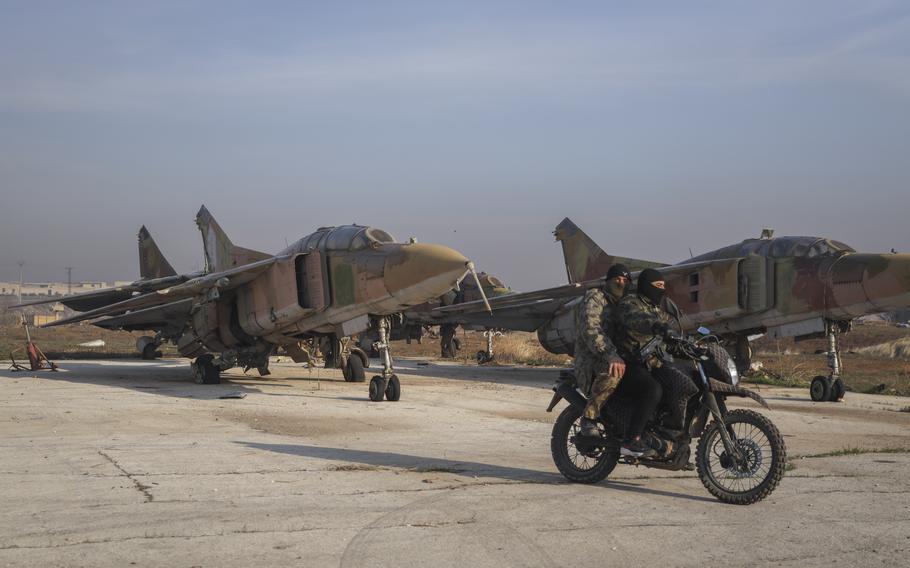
(726, 388)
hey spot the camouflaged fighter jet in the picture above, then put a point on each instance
(331, 284)
(801, 287)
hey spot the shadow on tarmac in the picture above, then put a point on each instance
(165, 378)
(466, 468)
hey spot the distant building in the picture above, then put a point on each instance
(55, 288)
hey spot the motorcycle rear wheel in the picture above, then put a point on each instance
(580, 464)
(761, 471)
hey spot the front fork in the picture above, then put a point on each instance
(718, 411)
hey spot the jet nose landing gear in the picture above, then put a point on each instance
(830, 388)
(386, 385)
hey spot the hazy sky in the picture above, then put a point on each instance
(655, 126)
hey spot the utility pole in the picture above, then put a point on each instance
(21, 264)
(69, 280)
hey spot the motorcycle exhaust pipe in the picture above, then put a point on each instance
(564, 390)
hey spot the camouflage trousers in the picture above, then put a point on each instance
(602, 388)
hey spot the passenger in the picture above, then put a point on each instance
(636, 320)
(598, 366)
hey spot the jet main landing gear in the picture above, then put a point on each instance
(387, 384)
(830, 388)
(488, 355)
(205, 371)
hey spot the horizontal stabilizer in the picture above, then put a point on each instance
(225, 280)
(99, 298)
(171, 317)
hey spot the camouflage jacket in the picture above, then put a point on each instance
(632, 325)
(593, 345)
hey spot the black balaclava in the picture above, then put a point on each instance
(613, 287)
(646, 287)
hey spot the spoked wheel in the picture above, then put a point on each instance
(753, 476)
(579, 461)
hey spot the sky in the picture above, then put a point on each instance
(658, 127)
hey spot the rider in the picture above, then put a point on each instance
(598, 366)
(636, 320)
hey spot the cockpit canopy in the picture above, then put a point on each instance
(806, 247)
(346, 237)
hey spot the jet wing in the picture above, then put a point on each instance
(167, 317)
(520, 299)
(99, 298)
(523, 311)
(224, 280)
(528, 316)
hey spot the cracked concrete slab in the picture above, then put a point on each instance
(98, 469)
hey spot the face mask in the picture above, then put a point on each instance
(615, 288)
(652, 293)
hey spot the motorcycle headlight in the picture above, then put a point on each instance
(734, 374)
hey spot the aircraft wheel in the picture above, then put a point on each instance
(353, 370)
(820, 389)
(393, 390)
(837, 390)
(377, 388)
(205, 372)
(150, 352)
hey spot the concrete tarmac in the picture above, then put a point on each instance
(128, 463)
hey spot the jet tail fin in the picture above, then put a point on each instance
(587, 261)
(220, 253)
(152, 263)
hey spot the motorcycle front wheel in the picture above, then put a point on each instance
(576, 460)
(760, 467)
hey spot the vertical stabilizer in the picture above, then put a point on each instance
(220, 253)
(587, 261)
(152, 263)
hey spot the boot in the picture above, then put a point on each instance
(589, 428)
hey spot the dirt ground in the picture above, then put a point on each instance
(120, 463)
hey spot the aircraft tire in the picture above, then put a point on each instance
(377, 389)
(837, 390)
(353, 370)
(820, 389)
(393, 390)
(150, 352)
(742, 355)
(205, 372)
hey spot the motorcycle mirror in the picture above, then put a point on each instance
(704, 331)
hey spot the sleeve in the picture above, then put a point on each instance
(590, 325)
(636, 320)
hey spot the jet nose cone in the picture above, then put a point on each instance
(863, 284)
(419, 272)
(887, 282)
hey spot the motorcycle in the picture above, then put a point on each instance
(740, 456)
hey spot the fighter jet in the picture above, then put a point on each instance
(327, 286)
(801, 287)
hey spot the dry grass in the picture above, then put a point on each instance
(524, 349)
(897, 349)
